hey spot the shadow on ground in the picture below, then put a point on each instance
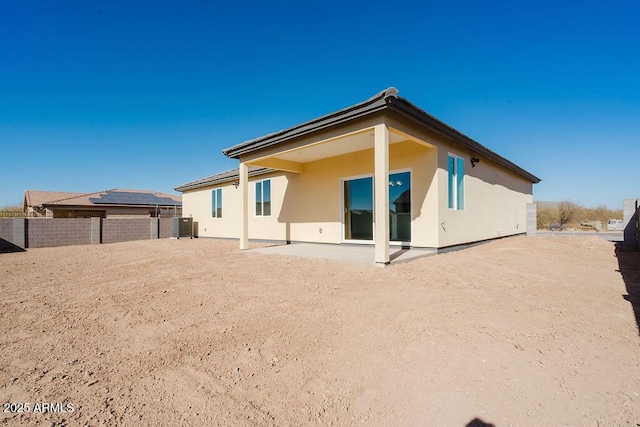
(629, 267)
(397, 254)
(477, 422)
(8, 247)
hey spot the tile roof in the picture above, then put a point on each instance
(37, 197)
(57, 198)
(386, 100)
(375, 103)
(219, 178)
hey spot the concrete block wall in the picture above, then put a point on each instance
(532, 219)
(13, 234)
(20, 233)
(6, 234)
(49, 232)
(165, 228)
(126, 229)
(96, 230)
(6, 229)
(630, 219)
(154, 231)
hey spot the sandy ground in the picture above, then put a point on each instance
(520, 331)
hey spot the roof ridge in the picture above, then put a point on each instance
(78, 195)
(133, 190)
(75, 194)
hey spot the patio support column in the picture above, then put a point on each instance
(244, 205)
(381, 194)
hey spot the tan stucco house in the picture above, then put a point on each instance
(380, 172)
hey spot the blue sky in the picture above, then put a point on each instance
(119, 94)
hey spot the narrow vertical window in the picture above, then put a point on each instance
(266, 197)
(456, 182)
(263, 198)
(216, 203)
(452, 189)
(460, 183)
(259, 198)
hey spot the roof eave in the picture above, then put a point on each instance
(235, 153)
(194, 185)
(104, 205)
(376, 103)
(188, 187)
(410, 111)
(385, 100)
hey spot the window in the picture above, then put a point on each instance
(263, 198)
(216, 203)
(456, 182)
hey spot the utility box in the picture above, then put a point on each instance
(181, 227)
(591, 225)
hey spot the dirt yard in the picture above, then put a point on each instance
(520, 331)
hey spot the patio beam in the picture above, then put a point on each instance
(244, 205)
(381, 194)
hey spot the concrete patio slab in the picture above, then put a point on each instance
(350, 253)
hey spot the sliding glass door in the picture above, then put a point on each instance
(400, 207)
(358, 208)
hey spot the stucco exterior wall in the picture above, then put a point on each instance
(496, 198)
(314, 199)
(495, 201)
(197, 204)
(308, 206)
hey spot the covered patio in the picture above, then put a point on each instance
(363, 129)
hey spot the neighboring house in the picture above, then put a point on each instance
(114, 203)
(380, 172)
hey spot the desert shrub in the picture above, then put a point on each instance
(546, 215)
(571, 214)
(567, 212)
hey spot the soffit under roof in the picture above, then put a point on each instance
(336, 147)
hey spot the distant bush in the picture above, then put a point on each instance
(570, 214)
(546, 215)
(17, 206)
(567, 212)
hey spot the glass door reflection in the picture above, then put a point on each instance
(358, 209)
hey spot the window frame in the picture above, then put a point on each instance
(455, 197)
(216, 199)
(260, 183)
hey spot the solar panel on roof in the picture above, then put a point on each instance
(129, 198)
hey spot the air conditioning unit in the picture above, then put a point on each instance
(181, 227)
